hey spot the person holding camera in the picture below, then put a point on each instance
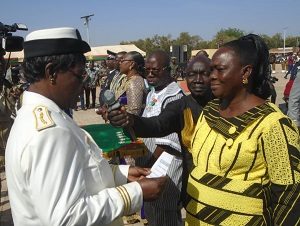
(56, 174)
(5, 110)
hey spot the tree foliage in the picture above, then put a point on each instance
(196, 42)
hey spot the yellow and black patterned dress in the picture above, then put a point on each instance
(247, 169)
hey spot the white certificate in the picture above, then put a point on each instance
(161, 165)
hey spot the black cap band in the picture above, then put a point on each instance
(48, 47)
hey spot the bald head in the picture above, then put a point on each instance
(162, 57)
(199, 59)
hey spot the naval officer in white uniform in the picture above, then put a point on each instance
(55, 172)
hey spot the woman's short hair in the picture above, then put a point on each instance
(139, 62)
(252, 50)
(34, 67)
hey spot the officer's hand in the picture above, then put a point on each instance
(136, 173)
(153, 187)
(118, 117)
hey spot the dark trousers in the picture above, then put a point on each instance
(273, 94)
(89, 90)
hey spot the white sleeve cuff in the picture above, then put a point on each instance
(120, 174)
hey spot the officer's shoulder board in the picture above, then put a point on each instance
(43, 119)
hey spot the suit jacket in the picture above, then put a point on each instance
(106, 85)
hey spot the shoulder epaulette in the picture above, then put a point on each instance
(43, 119)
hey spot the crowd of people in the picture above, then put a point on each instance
(236, 156)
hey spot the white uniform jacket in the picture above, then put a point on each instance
(56, 175)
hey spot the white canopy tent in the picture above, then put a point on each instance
(210, 52)
(101, 51)
(15, 56)
(96, 53)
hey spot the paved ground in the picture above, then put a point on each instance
(90, 117)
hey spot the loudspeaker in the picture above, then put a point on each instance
(180, 52)
(175, 52)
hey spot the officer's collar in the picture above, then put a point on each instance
(32, 98)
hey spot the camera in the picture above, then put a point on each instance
(9, 42)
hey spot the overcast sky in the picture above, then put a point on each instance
(126, 20)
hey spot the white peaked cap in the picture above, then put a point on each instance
(54, 41)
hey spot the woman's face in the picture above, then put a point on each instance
(226, 73)
(126, 64)
(68, 86)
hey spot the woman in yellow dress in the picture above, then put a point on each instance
(245, 151)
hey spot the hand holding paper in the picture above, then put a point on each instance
(161, 165)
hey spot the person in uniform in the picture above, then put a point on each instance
(112, 66)
(91, 85)
(56, 174)
(174, 68)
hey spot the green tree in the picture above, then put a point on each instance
(276, 41)
(291, 41)
(226, 35)
(267, 40)
(196, 42)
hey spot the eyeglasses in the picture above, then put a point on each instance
(155, 71)
(123, 60)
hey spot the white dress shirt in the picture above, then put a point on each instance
(56, 174)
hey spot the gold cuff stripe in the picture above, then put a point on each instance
(127, 197)
(124, 200)
(234, 202)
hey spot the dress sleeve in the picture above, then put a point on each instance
(135, 93)
(168, 121)
(281, 146)
(53, 165)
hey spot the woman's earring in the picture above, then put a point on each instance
(245, 81)
(52, 79)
